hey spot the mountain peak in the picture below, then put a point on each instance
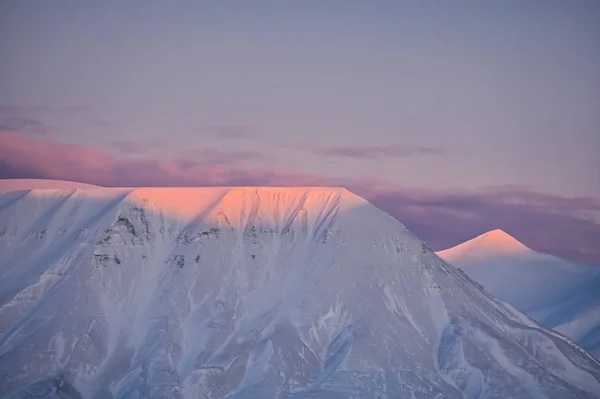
(492, 243)
(501, 237)
(498, 232)
(497, 240)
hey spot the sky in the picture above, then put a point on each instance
(455, 117)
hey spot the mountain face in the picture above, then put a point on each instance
(252, 293)
(559, 294)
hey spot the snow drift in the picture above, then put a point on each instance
(252, 293)
(557, 293)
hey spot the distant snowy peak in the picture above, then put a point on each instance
(495, 243)
(555, 292)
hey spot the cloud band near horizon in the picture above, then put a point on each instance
(566, 227)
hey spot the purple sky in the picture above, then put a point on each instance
(456, 118)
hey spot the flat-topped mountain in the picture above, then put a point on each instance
(252, 293)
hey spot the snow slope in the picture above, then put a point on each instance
(252, 293)
(557, 293)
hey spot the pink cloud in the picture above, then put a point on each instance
(58, 160)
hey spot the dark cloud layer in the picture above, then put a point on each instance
(29, 119)
(135, 147)
(216, 156)
(548, 223)
(545, 223)
(379, 151)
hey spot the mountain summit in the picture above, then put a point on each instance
(500, 239)
(494, 243)
(252, 293)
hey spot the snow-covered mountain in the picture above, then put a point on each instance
(557, 293)
(252, 293)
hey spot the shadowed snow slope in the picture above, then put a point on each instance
(252, 293)
(557, 293)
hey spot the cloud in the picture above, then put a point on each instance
(23, 124)
(379, 151)
(567, 227)
(191, 157)
(136, 147)
(28, 118)
(58, 160)
(215, 156)
(9, 172)
(232, 132)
